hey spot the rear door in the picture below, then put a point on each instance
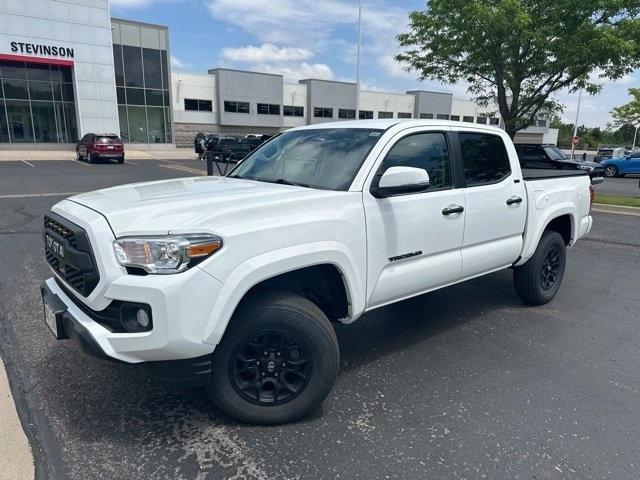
(414, 240)
(495, 203)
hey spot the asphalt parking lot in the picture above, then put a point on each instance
(465, 382)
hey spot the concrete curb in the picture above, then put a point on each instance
(619, 209)
(15, 452)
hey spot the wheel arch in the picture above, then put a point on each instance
(292, 269)
(562, 220)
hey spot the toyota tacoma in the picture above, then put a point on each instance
(234, 283)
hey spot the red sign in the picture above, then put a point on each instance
(575, 140)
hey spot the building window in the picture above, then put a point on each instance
(268, 109)
(36, 104)
(195, 105)
(467, 119)
(293, 111)
(442, 116)
(385, 114)
(494, 121)
(404, 115)
(236, 107)
(322, 112)
(426, 116)
(542, 123)
(455, 118)
(143, 93)
(365, 115)
(481, 120)
(346, 113)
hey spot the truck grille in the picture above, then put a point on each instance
(69, 253)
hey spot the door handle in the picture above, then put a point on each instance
(451, 209)
(514, 200)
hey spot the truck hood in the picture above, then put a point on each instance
(195, 204)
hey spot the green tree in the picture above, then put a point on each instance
(518, 53)
(629, 113)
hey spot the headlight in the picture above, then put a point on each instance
(165, 254)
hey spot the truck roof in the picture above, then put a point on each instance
(384, 124)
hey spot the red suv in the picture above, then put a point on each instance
(97, 146)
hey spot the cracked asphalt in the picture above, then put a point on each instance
(465, 382)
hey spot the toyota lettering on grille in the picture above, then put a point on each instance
(55, 246)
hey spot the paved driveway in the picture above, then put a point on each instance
(461, 383)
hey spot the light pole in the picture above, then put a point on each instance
(575, 127)
(635, 135)
(358, 59)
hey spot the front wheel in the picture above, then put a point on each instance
(277, 361)
(89, 159)
(610, 171)
(538, 280)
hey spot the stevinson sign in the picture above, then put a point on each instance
(23, 48)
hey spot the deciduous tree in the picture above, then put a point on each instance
(517, 53)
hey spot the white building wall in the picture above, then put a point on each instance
(85, 26)
(386, 102)
(294, 94)
(192, 86)
(468, 108)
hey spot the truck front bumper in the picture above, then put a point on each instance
(173, 350)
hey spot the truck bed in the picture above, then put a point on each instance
(543, 173)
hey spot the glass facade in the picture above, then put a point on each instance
(36, 104)
(142, 83)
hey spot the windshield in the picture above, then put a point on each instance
(317, 158)
(555, 153)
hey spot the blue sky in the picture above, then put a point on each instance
(313, 38)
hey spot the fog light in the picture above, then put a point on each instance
(143, 318)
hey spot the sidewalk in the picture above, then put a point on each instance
(15, 453)
(130, 154)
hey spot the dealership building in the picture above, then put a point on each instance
(68, 68)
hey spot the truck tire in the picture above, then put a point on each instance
(276, 362)
(538, 280)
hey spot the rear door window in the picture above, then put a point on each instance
(484, 157)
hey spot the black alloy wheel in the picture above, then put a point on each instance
(270, 368)
(550, 268)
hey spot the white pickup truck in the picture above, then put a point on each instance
(234, 282)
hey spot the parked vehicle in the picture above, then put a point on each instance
(605, 153)
(233, 283)
(227, 149)
(535, 155)
(619, 167)
(94, 147)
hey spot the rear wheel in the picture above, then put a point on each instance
(610, 171)
(121, 160)
(538, 280)
(277, 361)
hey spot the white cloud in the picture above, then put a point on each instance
(267, 52)
(177, 63)
(394, 68)
(130, 3)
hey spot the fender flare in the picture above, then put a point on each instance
(549, 215)
(271, 264)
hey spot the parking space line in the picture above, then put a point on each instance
(30, 164)
(81, 163)
(132, 163)
(32, 195)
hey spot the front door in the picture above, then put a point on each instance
(496, 204)
(414, 240)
